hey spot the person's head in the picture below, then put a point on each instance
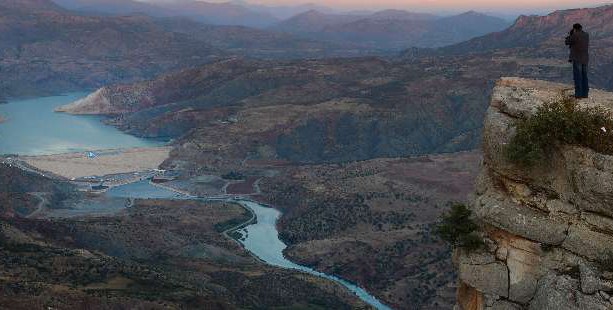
(577, 27)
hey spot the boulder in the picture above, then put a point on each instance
(497, 210)
(505, 305)
(588, 243)
(485, 274)
(523, 259)
(555, 293)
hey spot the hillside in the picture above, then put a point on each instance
(120, 261)
(547, 227)
(214, 13)
(48, 50)
(544, 32)
(45, 49)
(372, 222)
(300, 111)
(391, 29)
(542, 37)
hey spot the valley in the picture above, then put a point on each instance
(121, 260)
(156, 159)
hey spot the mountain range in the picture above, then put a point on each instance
(227, 13)
(542, 37)
(301, 123)
(46, 48)
(383, 30)
(415, 105)
(391, 29)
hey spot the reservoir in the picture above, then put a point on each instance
(31, 127)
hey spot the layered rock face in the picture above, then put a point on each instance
(548, 229)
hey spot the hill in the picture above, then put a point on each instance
(121, 261)
(311, 111)
(544, 32)
(391, 29)
(214, 13)
(48, 50)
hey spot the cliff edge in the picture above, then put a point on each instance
(548, 230)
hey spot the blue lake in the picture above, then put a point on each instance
(33, 128)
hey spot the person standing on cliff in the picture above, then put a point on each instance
(579, 43)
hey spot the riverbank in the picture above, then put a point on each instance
(100, 163)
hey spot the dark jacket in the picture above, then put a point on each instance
(579, 43)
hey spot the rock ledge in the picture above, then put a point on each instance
(549, 230)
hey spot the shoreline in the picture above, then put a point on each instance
(103, 163)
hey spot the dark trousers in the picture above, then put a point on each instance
(582, 87)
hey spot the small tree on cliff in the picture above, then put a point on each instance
(458, 228)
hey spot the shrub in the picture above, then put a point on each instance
(233, 175)
(459, 230)
(560, 122)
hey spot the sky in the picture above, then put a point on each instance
(449, 4)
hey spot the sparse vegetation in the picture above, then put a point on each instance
(459, 229)
(233, 175)
(557, 123)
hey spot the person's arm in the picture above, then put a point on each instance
(573, 38)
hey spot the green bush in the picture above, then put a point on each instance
(458, 229)
(233, 175)
(561, 122)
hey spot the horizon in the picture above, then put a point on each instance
(508, 8)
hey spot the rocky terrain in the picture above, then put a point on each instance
(545, 40)
(335, 110)
(154, 255)
(302, 124)
(391, 29)
(372, 222)
(547, 228)
(312, 111)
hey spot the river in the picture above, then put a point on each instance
(33, 128)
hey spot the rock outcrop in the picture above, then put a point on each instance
(548, 229)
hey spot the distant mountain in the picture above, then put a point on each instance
(542, 37)
(226, 13)
(114, 7)
(391, 29)
(544, 31)
(400, 14)
(313, 21)
(31, 5)
(47, 49)
(285, 12)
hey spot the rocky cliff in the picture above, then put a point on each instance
(548, 230)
